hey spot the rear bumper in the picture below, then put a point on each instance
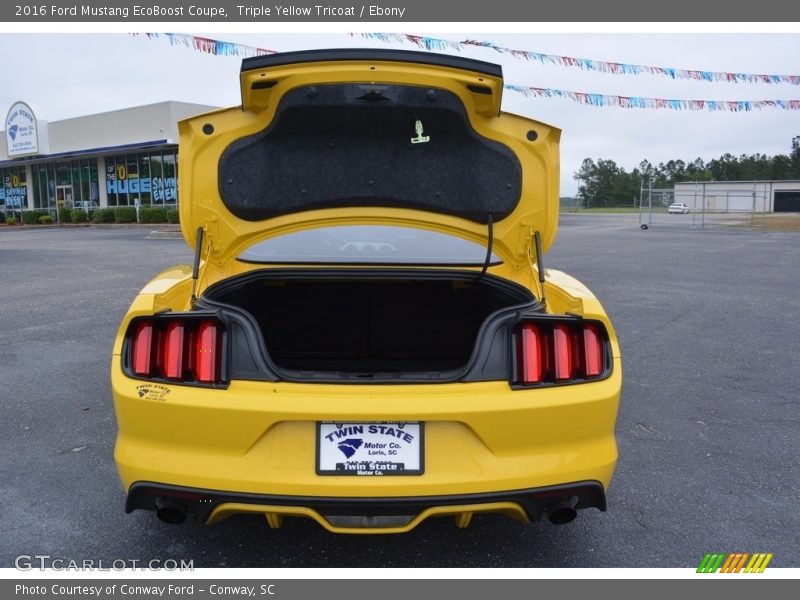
(363, 515)
(252, 449)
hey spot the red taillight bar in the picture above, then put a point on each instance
(559, 351)
(172, 367)
(206, 352)
(562, 342)
(187, 350)
(593, 351)
(141, 350)
(531, 365)
(189, 354)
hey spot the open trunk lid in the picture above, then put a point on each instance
(390, 137)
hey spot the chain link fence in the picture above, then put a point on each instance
(704, 207)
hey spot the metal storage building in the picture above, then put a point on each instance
(740, 196)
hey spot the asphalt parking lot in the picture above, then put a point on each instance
(709, 427)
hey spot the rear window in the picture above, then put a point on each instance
(368, 244)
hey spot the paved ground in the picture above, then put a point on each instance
(708, 428)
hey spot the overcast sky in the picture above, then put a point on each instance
(72, 75)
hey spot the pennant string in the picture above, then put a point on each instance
(590, 99)
(209, 46)
(585, 64)
(221, 48)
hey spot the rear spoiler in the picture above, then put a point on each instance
(372, 55)
(260, 74)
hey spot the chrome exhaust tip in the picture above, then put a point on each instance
(169, 511)
(563, 511)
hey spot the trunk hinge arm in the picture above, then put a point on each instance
(489, 246)
(535, 245)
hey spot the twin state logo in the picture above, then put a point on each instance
(22, 133)
(349, 446)
(734, 562)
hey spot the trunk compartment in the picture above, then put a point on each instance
(371, 324)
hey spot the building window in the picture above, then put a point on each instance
(69, 184)
(145, 182)
(170, 178)
(44, 186)
(94, 185)
(86, 188)
(150, 177)
(132, 176)
(39, 184)
(116, 181)
(14, 190)
(77, 196)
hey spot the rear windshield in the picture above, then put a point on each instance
(368, 244)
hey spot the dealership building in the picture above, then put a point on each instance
(125, 157)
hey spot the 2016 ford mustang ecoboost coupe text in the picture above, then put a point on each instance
(368, 336)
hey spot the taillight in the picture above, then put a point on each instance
(207, 352)
(593, 350)
(190, 343)
(184, 350)
(559, 351)
(529, 349)
(172, 366)
(562, 342)
(141, 348)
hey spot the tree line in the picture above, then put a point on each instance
(604, 183)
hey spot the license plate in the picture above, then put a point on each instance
(379, 448)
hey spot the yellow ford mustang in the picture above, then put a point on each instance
(367, 336)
